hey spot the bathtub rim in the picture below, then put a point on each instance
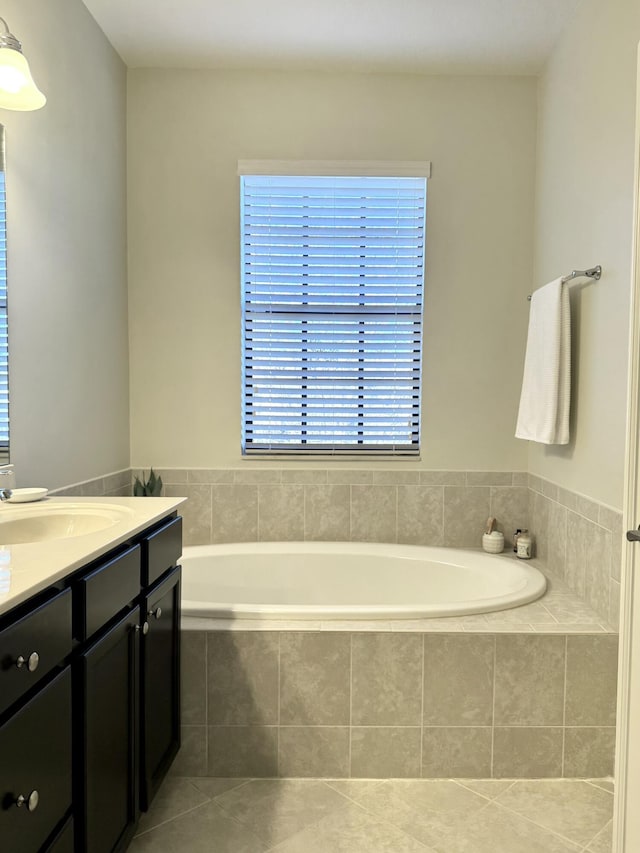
(535, 580)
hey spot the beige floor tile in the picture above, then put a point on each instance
(605, 784)
(425, 810)
(490, 788)
(572, 808)
(370, 816)
(438, 795)
(496, 830)
(603, 840)
(202, 830)
(176, 796)
(351, 830)
(276, 809)
(213, 786)
(354, 789)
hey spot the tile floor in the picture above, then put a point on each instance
(207, 815)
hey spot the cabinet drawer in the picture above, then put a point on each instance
(105, 591)
(32, 646)
(161, 550)
(35, 745)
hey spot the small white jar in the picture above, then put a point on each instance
(493, 543)
(524, 546)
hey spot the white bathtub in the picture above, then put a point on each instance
(350, 580)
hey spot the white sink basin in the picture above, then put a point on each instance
(57, 521)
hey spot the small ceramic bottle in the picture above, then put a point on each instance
(524, 545)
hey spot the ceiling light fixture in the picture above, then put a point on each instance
(18, 90)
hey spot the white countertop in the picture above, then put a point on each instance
(29, 568)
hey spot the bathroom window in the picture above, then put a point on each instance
(332, 304)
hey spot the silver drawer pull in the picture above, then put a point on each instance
(31, 802)
(31, 663)
(157, 613)
(144, 628)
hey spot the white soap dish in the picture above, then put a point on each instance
(23, 496)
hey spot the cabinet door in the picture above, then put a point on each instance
(160, 735)
(107, 775)
(63, 841)
(35, 768)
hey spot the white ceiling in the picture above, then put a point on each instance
(432, 36)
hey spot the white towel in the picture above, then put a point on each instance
(546, 384)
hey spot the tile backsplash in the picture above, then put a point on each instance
(412, 507)
(118, 484)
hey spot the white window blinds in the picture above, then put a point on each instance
(332, 296)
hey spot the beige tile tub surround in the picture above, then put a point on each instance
(118, 484)
(577, 539)
(390, 705)
(580, 541)
(412, 507)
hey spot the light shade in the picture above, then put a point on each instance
(18, 90)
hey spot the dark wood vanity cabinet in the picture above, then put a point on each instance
(36, 768)
(107, 690)
(89, 724)
(35, 723)
(160, 695)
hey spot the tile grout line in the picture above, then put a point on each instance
(206, 698)
(207, 802)
(591, 840)
(279, 689)
(350, 513)
(396, 525)
(539, 825)
(236, 819)
(422, 685)
(564, 702)
(304, 513)
(350, 698)
(493, 704)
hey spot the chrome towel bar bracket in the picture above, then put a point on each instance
(594, 272)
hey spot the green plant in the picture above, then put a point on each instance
(150, 487)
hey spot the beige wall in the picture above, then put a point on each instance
(186, 131)
(583, 217)
(66, 173)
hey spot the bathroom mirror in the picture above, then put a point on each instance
(4, 339)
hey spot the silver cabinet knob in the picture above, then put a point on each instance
(157, 613)
(30, 663)
(31, 802)
(144, 628)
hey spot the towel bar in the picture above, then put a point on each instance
(594, 272)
